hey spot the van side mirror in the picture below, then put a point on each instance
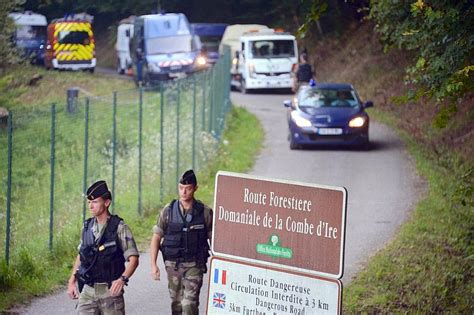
(127, 33)
(287, 103)
(237, 54)
(368, 104)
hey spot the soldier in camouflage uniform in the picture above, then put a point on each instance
(182, 233)
(100, 273)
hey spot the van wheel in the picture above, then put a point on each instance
(146, 76)
(243, 87)
(119, 68)
(91, 70)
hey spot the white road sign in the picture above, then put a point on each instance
(242, 288)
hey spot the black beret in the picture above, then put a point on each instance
(188, 178)
(98, 189)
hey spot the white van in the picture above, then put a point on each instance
(30, 35)
(264, 61)
(122, 47)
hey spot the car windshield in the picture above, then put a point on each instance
(169, 44)
(311, 97)
(272, 48)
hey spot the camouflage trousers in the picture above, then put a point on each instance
(184, 285)
(97, 300)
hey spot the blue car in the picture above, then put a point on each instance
(327, 114)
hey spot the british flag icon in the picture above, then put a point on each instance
(218, 300)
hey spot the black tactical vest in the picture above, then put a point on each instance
(304, 73)
(102, 260)
(185, 238)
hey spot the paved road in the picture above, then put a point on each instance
(382, 187)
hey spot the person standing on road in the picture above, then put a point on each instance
(304, 72)
(182, 233)
(100, 273)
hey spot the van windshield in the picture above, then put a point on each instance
(272, 48)
(211, 43)
(169, 44)
(30, 32)
(74, 37)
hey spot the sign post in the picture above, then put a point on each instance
(282, 224)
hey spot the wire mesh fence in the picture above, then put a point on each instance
(139, 141)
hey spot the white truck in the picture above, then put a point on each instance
(265, 60)
(122, 46)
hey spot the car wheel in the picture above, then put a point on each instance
(293, 145)
(91, 70)
(243, 87)
(366, 145)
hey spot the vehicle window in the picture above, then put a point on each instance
(74, 37)
(211, 43)
(344, 98)
(272, 49)
(30, 32)
(311, 97)
(169, 44)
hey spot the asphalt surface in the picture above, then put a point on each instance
(382, 187)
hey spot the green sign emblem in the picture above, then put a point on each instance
(274, 249)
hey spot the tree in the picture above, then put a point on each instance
(441, 34)
(8, 52)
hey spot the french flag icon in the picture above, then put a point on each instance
(220, 276)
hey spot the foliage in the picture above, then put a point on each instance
(441, 34)
(428, 267)
(318, 7)
(8, 53)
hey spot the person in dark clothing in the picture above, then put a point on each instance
(183, 233)
(304, 72)
(100, 271)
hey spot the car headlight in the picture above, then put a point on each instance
(201, 61)
(357, 122)
(300, 121)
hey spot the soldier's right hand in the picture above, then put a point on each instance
(72, 290)
(155, 272)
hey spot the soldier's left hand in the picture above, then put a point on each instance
(116, 287)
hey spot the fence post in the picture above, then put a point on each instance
(52, 159)
(9, 186)
(177, 131)
(114, 150)
(162, 103)
(140, 129)
(194, 121)
(86, 157)
(211, 110)
(203, 125)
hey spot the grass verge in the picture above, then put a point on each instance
(35, 276)
(428, 267)
(39, 271)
